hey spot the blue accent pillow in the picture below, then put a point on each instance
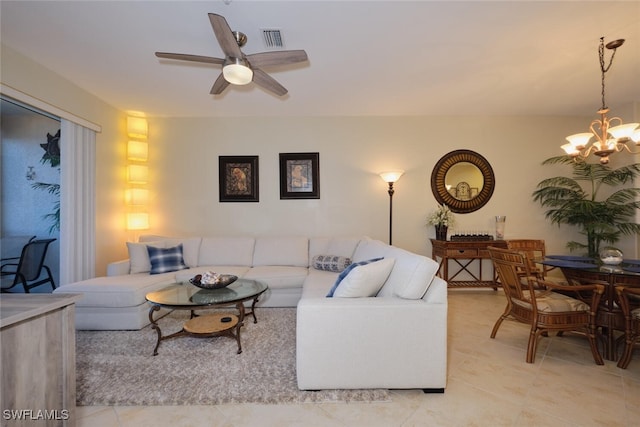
(166, 260)
(346, 271)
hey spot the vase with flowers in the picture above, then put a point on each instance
(442, 218)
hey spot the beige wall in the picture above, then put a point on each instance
(183, 160)
(35, 80)
(354, 199)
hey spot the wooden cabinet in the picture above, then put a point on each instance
(38, 357)
(463, 264)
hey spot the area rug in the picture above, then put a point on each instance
(117, 368)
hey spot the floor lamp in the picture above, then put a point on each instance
(390, 177)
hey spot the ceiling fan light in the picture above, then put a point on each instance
(237, 73)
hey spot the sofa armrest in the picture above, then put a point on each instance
(371, 343)
(118, 268)
(436, 292)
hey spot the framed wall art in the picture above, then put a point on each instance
(238, 178)
(299, 175)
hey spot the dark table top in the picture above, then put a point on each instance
(628, 266)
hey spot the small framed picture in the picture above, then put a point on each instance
(299, 175)
(238, 178)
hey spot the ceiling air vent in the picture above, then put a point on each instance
(272, 38)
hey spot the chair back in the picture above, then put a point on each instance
(509, 265)
(532, 249)
(32, 258)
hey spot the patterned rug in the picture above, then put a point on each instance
(117, 368)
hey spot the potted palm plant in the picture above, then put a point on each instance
(577, 201)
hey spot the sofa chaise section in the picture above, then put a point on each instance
(396, 339)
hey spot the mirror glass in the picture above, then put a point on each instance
(462, 180)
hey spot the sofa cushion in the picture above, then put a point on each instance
(235, 270)
(165, 260)
(333, 263)
(117, 291)
(369, 248)
(365, 280)
(278, 276)
(190, 249)
(318, 283)
(139, 256)
(292, 251)
(341, 246)
(411, 275)
(346, 272)
(226, 251)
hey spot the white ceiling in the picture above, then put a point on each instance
(365, 57)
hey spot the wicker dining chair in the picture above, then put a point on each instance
(543, 309)
(532, 249)
(629, 300)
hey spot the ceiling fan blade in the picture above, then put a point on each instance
(193, 58)
(268, 59)
(219, 86)
(269, 83)
(225, 36)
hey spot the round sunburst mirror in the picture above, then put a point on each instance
(463, 180)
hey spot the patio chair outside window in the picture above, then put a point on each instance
(30, 271)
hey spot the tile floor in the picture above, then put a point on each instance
(489, 385)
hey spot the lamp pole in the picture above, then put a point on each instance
(390, 178)
(391, 191)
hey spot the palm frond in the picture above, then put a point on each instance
(574, 201)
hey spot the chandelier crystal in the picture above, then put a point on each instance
(611, 134)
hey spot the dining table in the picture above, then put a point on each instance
(584, 270)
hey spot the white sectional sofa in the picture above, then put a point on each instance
(384, 327)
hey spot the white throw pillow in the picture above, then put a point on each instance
(365, 280)
(139, 256)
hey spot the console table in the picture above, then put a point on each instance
(38, 359)
(464, 255)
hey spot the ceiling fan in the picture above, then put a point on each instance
(238, 68)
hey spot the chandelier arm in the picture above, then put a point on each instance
(626, 147)
(587, 152)
(602, 127)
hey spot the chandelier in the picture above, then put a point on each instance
(612, 135)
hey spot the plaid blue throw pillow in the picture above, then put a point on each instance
(165, 260)
(346, 271)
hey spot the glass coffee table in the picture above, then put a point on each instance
(185, 296)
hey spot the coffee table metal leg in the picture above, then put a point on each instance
(241, 313)
(155, 326)
(253, 310)
(238, 337)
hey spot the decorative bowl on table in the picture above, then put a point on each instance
(211, 280)
(611, 256)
